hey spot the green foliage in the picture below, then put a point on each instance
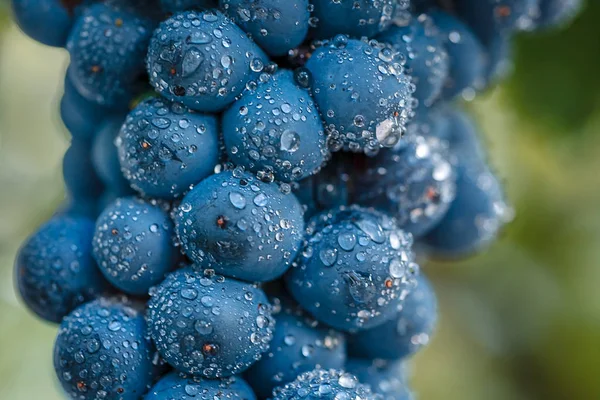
(557, 75)
(4, 14)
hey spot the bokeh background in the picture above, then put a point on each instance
(521, 321)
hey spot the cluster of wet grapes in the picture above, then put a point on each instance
(248, 185)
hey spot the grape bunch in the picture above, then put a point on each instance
(250, 182)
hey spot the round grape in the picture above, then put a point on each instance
(353, 269)
(239, 226)
(205, 324)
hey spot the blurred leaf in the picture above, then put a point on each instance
(4, 14)
(556, 80)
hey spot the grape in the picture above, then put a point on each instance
(277, 26)
(404, 334)
(276, 130)
(387, 378)
(557, 12)
(55, 270)
(414, 182)
(202, 60)
(81, 179)
(240, 227)
(299, 344)
(354, 18)
(325, 384)
(107, 47)
(353, 268)
(467, 56)
(133, 245)
(182, 5)
(427, 62)
(47, 21)
(474, 218)
(362, 93)
(180, 386)
(102, 351)
(105, 157)
(164, 148)
(81, 116)
(205, 324)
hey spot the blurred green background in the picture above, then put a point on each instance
(521, 321)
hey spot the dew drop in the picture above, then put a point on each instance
(289, 340)
(260, 200)
(328, 256)
(237, 200)
(203, 327)
(347, 241)
(192, 60)
(361, 286)
(289, 141)
(189, 294)
(372, 229)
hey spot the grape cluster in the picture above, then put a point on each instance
(249, 182)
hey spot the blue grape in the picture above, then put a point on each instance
(500, 55)
(80, 116)
(276, 129)
(107, 47)
(79, 174)
(205, 324)
(164, 148)
(133, 244)
(493, 22)
(403, 335)
(387, 378)
(55, 270)
(180, 386)
(240, 227)
(102, 352)
(427, 61)
(47, 21)
(414, 182)
(105, 157)
(479, 209)
(149, 9)
(107, 198)
(182, 5)
(202, 60)
(356, 18)
(330, 188)
(79, 207)
(363, 95)
(353, 268)
(324, 384)
(460, 135)
(557, 12)
(423, 5)
(299, 344)
(490, 18)
(468, 63)
(429, 122)
(274, 25)
(474, 218)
